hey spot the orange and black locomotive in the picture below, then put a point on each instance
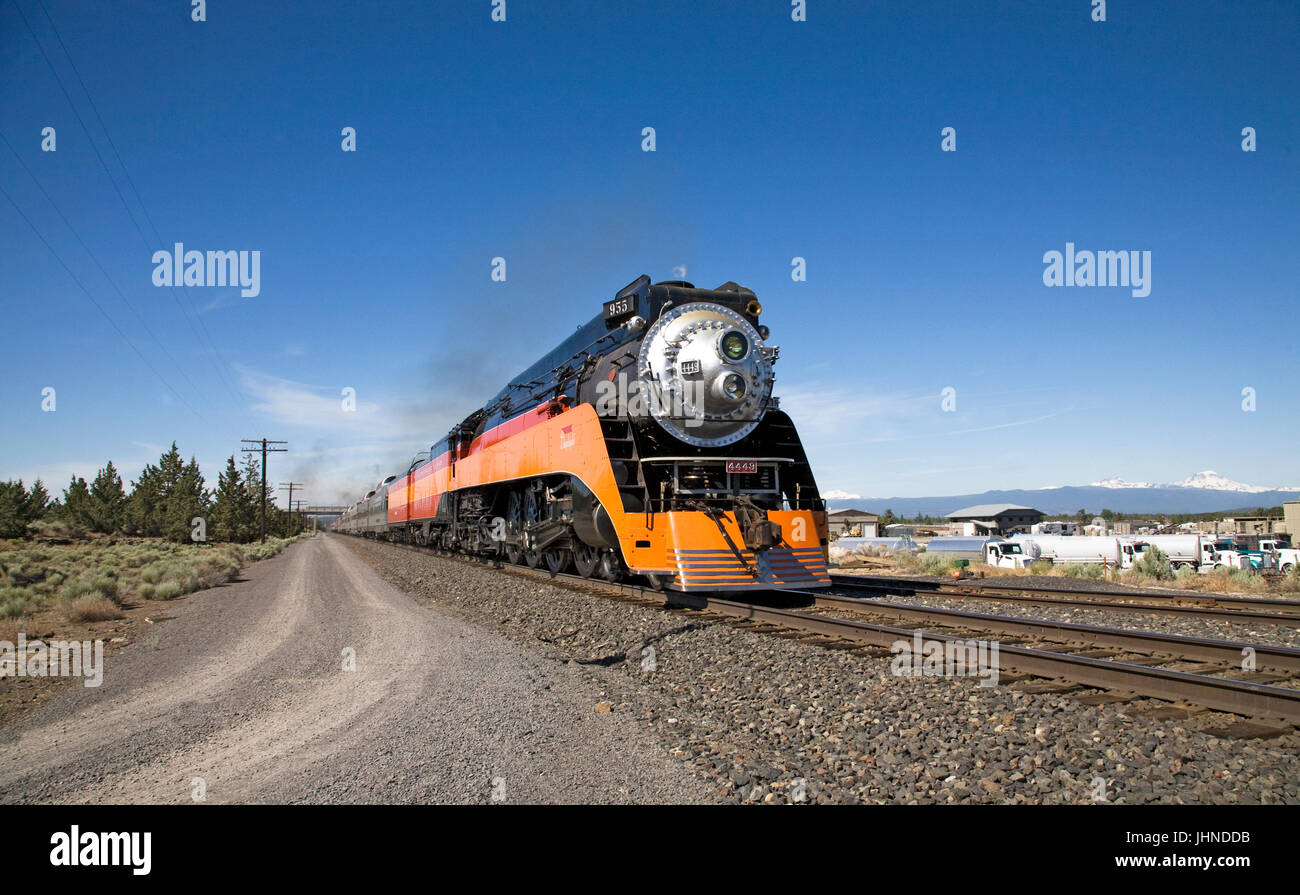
(648, 443)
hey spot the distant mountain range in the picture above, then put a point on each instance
(1205, 492)
(1206, 479)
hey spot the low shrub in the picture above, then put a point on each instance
(13, 601)
(934, 564)
(1083, 570)
(99, 585)
(90, 609)
(1290, 583)
(168, 590)
(1152, 565)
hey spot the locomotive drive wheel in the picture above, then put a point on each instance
(514, 525)
(586, 559)
(557, 560)
(532, 557)
(609, 566)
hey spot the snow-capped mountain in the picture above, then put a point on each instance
(836, 494)
(1117, 482)
(1206, 479)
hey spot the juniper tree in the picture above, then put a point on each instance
(107, 500)
(76, 503)
(234, 514)
(185, 500)
(143, 514)
(13, 509)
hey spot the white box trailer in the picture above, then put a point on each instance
(1108, 551)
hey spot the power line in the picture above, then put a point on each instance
(111, 282)
(265, 450)
(290, 486)
(107, 317)
(185, 312)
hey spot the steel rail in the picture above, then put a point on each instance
(1222, 694)
(978, 588)
(1277, 658)
(1204, 612)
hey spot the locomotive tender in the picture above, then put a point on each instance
(647, 443)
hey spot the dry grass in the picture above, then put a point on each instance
(89, 609)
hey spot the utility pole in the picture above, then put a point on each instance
(263, 442)
(290, 486)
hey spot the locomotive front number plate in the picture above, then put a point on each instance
(747, 467)
(620, 308)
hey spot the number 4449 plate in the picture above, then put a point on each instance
(742, 466)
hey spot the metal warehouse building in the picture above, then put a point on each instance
(995, 518)
(845, 521)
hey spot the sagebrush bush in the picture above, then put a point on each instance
(934, 563)
(168, 590)
(1083, 570)
(1152, 565)
(90, 609)
(13, 601)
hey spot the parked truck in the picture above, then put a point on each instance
(1205, 553)
(1109, 551)
(1288, 557)
(997, 552)
(1184, 551)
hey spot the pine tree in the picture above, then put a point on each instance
(76, 503)
(13, 509)
(233, 513)
(107, 500)
(37, 503)
(256, 493)
(144, 506)
(185, 499)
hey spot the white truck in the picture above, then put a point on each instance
(1205, 553)
(1288, 557)
(1109, 551)
(997, 552)
(1191, 551)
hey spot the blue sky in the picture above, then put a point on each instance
(774, 139)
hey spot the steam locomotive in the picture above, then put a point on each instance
(648, 443)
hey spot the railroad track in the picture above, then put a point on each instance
(1217, 607)
(1093, 663)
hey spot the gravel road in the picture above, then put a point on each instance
(242, 695)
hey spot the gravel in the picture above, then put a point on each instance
(768, 719)
(244, 694)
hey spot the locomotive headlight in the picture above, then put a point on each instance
(734, 346)
(733, 385)
(708, 371)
